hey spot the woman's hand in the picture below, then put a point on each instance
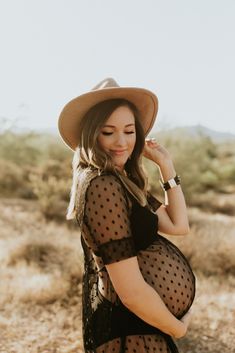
(155, 152)
(186, 320)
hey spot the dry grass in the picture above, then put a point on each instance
(40, 274)
(213, 202)
(210, 245)
(212, 329)
(41, 271)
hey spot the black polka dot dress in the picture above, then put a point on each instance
(116, 227)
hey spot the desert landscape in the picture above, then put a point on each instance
(41, 260)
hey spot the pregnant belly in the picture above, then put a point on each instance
(166, 269)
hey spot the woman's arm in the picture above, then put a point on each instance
(142, 299)
(172, 217)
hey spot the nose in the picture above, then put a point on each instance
(121, 140)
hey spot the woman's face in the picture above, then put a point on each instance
(117, 136)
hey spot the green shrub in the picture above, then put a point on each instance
(19, 148)
(196, 161)
(39, 166)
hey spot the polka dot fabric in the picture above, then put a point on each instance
(165, 268)
(107, 218)
(110, 234)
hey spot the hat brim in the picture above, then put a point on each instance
(145, 101)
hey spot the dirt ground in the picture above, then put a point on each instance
(40, 292)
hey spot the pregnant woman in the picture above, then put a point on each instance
(137, 286)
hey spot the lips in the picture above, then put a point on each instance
(118, 152)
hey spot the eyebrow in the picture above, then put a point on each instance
(115, 126)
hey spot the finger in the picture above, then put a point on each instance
(150, 139)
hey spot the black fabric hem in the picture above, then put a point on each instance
(117, 250)
(123, 323)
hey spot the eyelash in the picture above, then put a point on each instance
(110, 133)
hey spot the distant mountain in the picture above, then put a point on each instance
(197, 130)
(214, 135)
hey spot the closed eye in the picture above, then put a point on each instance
(106, 133)
(110, 133)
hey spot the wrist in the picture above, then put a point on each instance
(164, 162)
(167, 171)
(171, 183)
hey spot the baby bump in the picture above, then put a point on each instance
(166, 269)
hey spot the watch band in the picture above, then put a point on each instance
(171, 183)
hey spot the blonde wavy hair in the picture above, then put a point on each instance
(89, 153)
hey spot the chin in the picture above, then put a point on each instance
(119, 164)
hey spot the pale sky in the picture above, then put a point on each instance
(55, 50)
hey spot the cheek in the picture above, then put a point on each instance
(102, 142)
(133, 142)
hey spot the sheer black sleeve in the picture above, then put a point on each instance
(106, 214)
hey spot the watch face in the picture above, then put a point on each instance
(172, 183)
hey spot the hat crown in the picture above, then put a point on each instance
(106, 83)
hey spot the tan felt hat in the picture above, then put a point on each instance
(145, 101)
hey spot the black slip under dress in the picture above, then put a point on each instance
(116, 227)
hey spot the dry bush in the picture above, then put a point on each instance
(14, 180)
(207, 170)
(210, 246)
(40, 274)
(51, 184)
(32, 148)
(48, 253)
(31, 161)
(40, 269)
(32, 285)
(215, 203)
(21, 149)
(26, 154)
(212, 328)
(39, 261)
(51, 194)
(11, 178)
